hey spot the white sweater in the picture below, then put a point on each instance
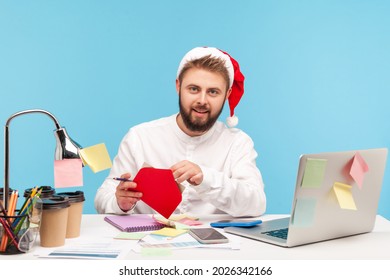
(231, 184)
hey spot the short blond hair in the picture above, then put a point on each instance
(209, 63)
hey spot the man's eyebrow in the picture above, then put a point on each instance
(192, 85)
(215, 88)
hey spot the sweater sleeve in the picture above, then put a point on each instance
(105, 199)
(239, 189)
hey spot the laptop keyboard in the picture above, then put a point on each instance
(279, 233)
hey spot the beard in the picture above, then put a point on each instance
(194, 124)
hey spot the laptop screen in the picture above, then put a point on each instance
(336, 194)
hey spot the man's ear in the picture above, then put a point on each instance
(228, 93)
(177, 86)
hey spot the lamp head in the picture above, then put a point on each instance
(66, 147)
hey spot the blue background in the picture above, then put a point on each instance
(317, 77)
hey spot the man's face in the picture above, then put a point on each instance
(201, 98)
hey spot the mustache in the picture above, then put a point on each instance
(201, 108)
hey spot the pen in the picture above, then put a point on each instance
(9, 232)
(2, 208)
(122, 179)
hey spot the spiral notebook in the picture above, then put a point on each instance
(133, 223)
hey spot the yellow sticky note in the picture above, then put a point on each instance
(96, 157)
(178, 217)
(344, 196)
(170, 232)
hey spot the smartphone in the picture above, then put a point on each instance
(208, 235)
(235, 223)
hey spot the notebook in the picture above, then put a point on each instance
(336, 195)
(133, 223)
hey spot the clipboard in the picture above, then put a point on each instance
(159, 188)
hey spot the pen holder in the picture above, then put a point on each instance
(18, 232)
(14, 236)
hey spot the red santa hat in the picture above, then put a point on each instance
(236, 78)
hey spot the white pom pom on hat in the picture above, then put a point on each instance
(232, 121)
(235, 76)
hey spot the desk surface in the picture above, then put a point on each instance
(373, 245)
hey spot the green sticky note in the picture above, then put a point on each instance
(314, 173)
(304, 212)
(181, 226)
(130, 235)
(156, 251)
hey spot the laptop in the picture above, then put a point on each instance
(336, 195)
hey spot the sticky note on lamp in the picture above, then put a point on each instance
(96, 157)
(68, 173)
(344, 196)
(358, 169)
(314, 173)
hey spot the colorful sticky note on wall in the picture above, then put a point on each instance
(96, 157)
(68, 173)
(344, 196)
(314, 173)
(304, 212)
(358, 169)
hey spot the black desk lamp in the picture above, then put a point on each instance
(66, 148)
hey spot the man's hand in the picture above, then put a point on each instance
(126, 198)
(186, 170)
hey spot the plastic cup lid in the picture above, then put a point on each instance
(55, 202)
(77, 196)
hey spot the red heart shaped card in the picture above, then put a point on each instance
(159, 189)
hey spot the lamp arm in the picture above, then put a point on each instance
(6, 147)
(57, 124)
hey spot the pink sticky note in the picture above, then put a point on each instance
(190, 222)
(358, 169)
(68, 173)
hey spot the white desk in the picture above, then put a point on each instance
(374, 245)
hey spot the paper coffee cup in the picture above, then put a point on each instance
(54, 221)
(76, 200)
